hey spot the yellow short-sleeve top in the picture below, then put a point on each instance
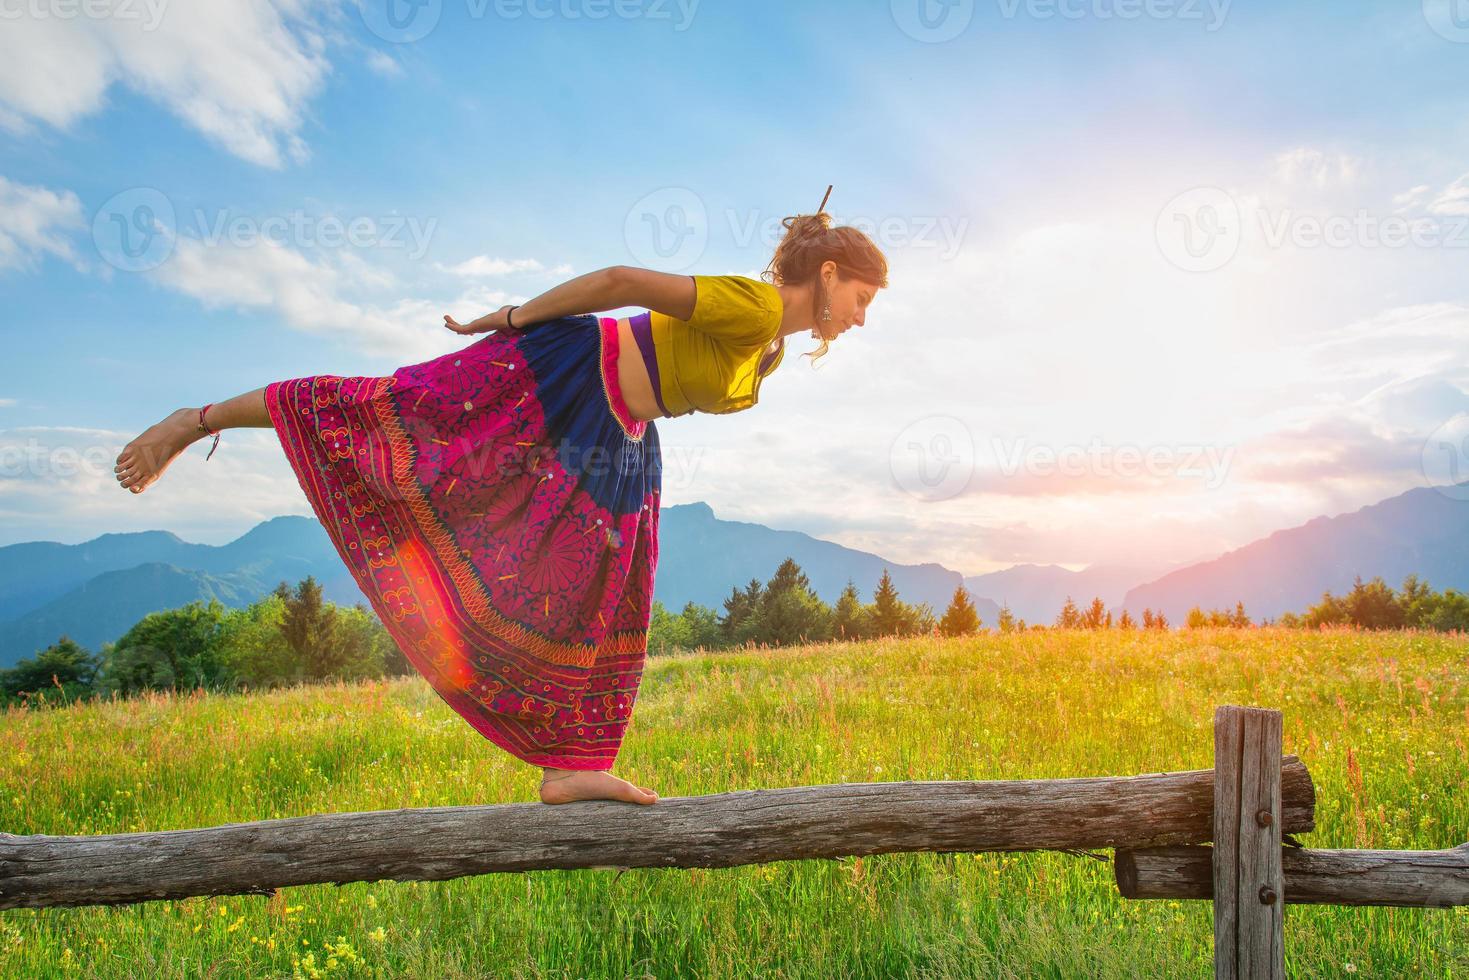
(712, 361)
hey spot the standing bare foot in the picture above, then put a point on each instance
(567, 785)
(143, 460)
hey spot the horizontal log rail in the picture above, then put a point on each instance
(1406, 879)
(1156, 823)
(714, 831)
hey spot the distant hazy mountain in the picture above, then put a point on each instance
(105, 607)
(702, 558)
(1036, 593)
(1422, 531)
(96, 590)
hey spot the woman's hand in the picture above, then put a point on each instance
(499, 320)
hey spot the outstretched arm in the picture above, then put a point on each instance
(605, 289)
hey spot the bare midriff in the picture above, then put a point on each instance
(634, 362)
(632, 375)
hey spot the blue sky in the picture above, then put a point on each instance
(1105, 220)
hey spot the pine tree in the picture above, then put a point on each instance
(1092, 619)
(313, 629)
(791, 611)
(960, 619)
(1070, 617)
(1007, 620)
(887, 609)
(849, 619)
(742, 613)
(1126, 622)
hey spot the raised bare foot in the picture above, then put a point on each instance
(566, 786)
(143, 460)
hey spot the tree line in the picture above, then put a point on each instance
(292, 636)
(786, 610)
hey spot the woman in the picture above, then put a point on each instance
(499, 505)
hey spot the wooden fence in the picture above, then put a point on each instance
(1157, 824)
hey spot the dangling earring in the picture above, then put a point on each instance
(826, 313)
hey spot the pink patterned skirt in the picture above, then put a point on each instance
(499, 507)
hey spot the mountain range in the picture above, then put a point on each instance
(94, 591)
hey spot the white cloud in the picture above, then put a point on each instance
(238, 71)
(57, 484)
(384, 64)
(1410, 199)
(1316, 168)
(309, 295)
(36, 221)
(484, 265)
(1453, 200)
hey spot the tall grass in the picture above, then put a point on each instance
(1382, 721)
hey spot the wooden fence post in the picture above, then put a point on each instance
(1249, 884)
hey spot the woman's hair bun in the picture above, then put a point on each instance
(809, 242)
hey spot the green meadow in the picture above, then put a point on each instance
(1381, 720)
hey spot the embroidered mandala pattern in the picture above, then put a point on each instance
(499, 508)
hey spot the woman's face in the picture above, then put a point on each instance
(848, 299)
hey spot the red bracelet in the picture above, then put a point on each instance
(204, 428)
